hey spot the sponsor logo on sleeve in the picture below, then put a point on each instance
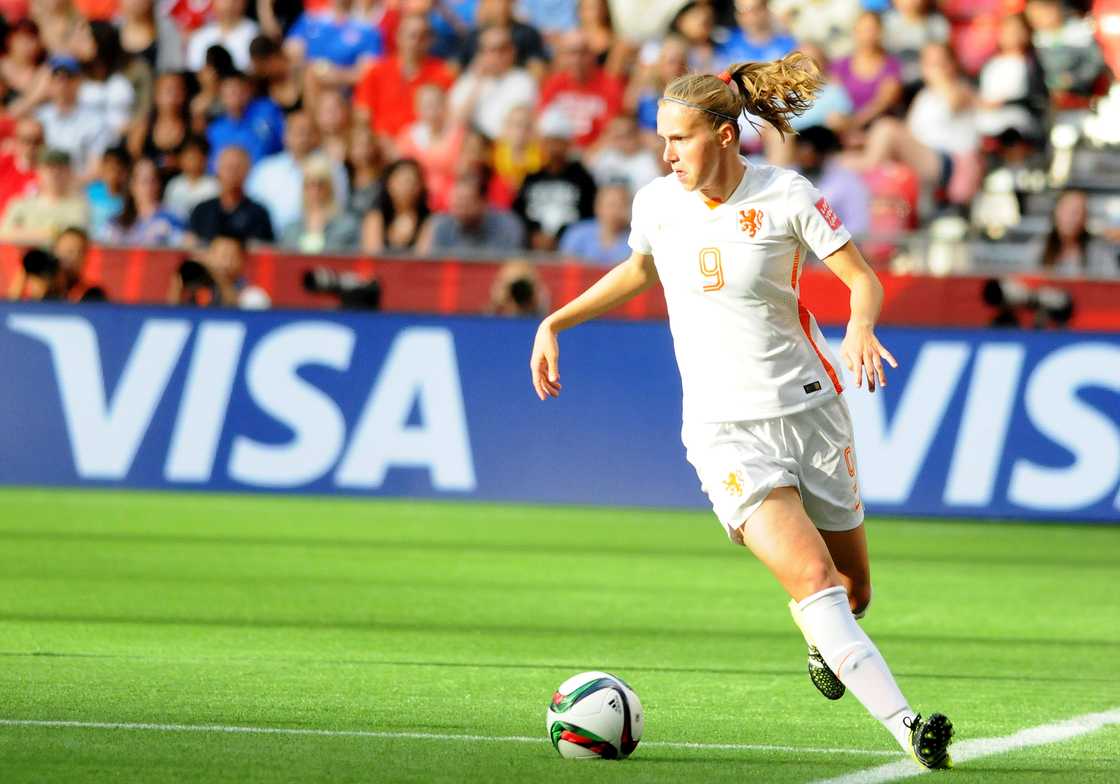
(829, 215)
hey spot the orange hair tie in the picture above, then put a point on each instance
(725, 77)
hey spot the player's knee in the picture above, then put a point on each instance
(859, 597)
(816, 576)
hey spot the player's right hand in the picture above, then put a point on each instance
(544, 366)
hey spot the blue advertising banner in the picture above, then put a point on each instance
(974, 423)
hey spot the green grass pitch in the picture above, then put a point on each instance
(447, 618)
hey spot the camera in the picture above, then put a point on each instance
(40, 264)
(353, 291)
(1049, 306)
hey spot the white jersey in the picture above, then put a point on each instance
(746, 347)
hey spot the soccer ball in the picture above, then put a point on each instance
(595, 715)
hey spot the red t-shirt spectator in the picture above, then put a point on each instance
(14, 180)
(190, 15)
(390, 96)
(590, 105)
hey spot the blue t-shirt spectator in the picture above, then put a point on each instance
(260, 131)
(582, 240)
(341, 42)
(739, 49)
(549, 16)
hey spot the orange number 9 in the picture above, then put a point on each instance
(711, 267)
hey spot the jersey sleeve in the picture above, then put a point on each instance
(813, 221)
(640, 240)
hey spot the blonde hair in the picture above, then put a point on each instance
(774, 91)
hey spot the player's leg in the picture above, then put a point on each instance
(782, 536)
(849, 552)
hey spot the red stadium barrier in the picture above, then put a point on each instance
(451, 286)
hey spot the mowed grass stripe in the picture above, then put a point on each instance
(390, 735)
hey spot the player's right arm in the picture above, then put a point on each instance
(622, 283)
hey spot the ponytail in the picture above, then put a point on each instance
(774, 91)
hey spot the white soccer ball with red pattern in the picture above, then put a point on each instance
(595, 715)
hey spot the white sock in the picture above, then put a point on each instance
(849, 652)
(795, 611)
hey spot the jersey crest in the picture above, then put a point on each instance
(734, 483)
(750, 221)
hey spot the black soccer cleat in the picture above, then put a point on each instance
(930, 739)
(822, 677)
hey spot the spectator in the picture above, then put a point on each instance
(447, 29)
(221, 276)
(230, 29)
(517, 153)
(336, 44)
(1070, 250)
(322, 226)
(604, 239)
(598, 28)
(620, 156)
(69, 127)
(435, 141)
(386, 93)
(105, 91)
(579, 88)
(231, 212)
(272, 71)
(192, 185)
(756, 38)
(939, 139)
(56, 275)
(277, 181)
(254, 124)
(517, 291)
(394, 224)
(366, 162)
(105, 194)
(23, 69)
(206, 105)
(643, 94)
(494, 84)
(561, 193)
(529, 50)
(845, 190)
(143, 220)
(1012, 93)
(470, 225)
(38, 218)
(695, 23)
(18, 173)
(334, 121)
(907, 28)
(71, 249)
(872, 77)
(549, 17)
(477, 156)
(58, 22)
(153, 38)
(826, 23)
(1069, 54)
(162, 134)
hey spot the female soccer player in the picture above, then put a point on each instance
(764, 423)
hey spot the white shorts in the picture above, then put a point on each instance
(739, 463)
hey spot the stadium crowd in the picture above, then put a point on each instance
(497, 127)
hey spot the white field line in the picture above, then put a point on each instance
(218, 728)
(1041, 735)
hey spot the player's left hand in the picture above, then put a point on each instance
(863, 353)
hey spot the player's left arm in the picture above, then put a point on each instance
(861, 350)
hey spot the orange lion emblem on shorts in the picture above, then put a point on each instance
(734, 483)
